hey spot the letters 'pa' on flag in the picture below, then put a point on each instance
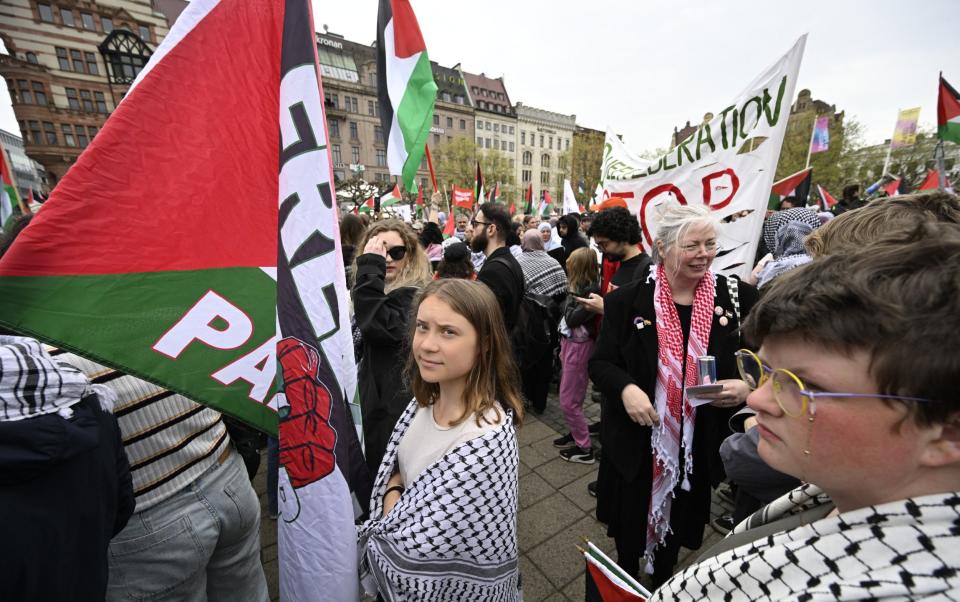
(211, 299)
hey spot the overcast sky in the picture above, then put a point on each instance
(644, 67)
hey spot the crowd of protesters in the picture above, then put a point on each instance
(830, 417)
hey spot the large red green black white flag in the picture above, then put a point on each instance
(195, 244)
(405, 86)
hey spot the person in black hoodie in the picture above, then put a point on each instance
(65, 486)
(568, 227)
(388, 274)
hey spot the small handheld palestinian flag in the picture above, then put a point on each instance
(367, 206)
(405, 87)
(392, 197)
(528, 209)
(478, 186)
(8, 192)
(607, 582)
(948, 112)
(797, 185)
(826, 199)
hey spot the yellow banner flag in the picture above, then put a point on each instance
(905, 134)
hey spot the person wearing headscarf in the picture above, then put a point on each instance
(546, 235)
(788, 253)
(771, 227)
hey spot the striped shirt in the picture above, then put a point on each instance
(169, 440)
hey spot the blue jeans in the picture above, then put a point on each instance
(201, 544)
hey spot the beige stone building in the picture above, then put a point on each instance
(70, 62)
(496, 119)
(545, 139)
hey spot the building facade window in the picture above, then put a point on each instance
(125, 55)
(88, 23)
(32, 58)
(68, 138)
(354, 104)
(355, 154)
(523, 137)
(545, 178)
(541, 140)
(66, 17)
(381, 157)
(86, 101)
(334, 127)
(449, 122)
(39, 94)
(81, 137)
(486, 143)
(371, 108)
(551, 143)
(496, 144)
(463, 124)
(486, 126)
(545, 160)
(36, 134)
(436, 120)
(496, 127)
(106, 23)
(568, 144)
(77, 61)
(144, 31)
(46, 13)
(527, 158)
(354, 131)
(62, 59)
(91, 63)
(337, 156)
(526, 176)
(50, 133)
(446, 97)
(378, 135)
(479, 141)
(436, 139)
(92, 131)
(101, 102)
(73, 101)
(24, 92)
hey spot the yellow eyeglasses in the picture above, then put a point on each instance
(788, 390)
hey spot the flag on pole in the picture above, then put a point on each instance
(932, 181)
(463, 198)
(893, 188)
(495, 194)
(820, 141)
(420, 202)
(597, 196)
(547, 200)
(478, 186)
(8, 191)
(826, 200)
(405, 88)
(948, 112)
(392, 197)
(368, 206)
(607, 582)
(528, 208)
(581, 186)
(569, 201)
(450, 228)
(905, 132)
(797, 185)
(211, 299)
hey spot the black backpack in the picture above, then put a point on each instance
(535, 330)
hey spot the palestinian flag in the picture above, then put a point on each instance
(528, 210)
(932, 181)
(607, 582)
(8, 191)
(893, 188)
(213, 299)
(827, 201)
(392, 197)
(797, 185)
(405, 87)
(368, 206)
(495, 194)
(948, 112)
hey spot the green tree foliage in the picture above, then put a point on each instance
(456, 164)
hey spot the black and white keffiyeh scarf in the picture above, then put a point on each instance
(32, 383)
(452, 536)
(904, 550)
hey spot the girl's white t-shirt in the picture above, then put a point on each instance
(425, 441)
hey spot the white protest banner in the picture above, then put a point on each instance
(728, 165)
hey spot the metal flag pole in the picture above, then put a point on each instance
(938, 156)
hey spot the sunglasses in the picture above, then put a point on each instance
(789, 391)
(397, 253)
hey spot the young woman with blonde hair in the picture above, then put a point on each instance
(443, 511)
(387, 275)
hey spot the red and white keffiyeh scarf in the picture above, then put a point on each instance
(670, 400)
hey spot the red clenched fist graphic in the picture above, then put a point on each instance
(306, 438)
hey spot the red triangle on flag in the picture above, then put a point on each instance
(932, 181)
(408, 40)
(146, 198)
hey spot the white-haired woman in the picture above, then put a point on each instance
(660, 451)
